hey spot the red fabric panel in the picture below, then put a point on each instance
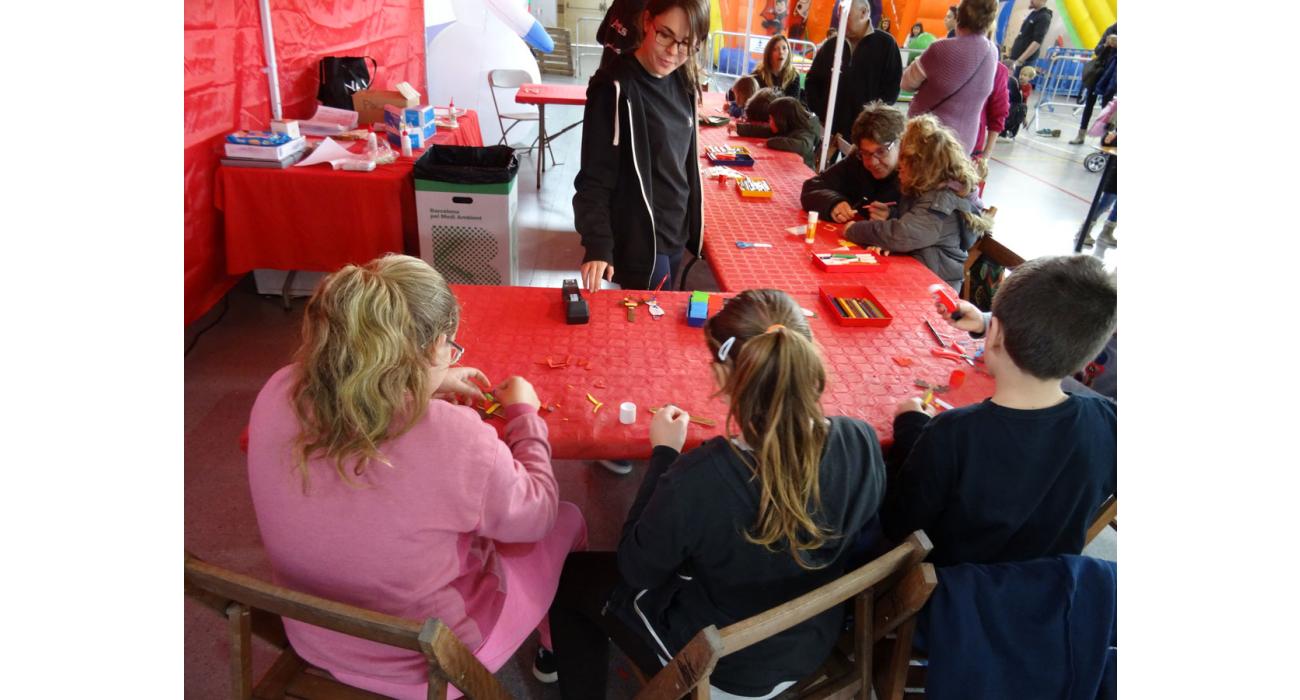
(225, 90)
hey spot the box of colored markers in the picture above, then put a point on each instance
(854, 305)
(733, 156)
(754, 188)
(841, 261)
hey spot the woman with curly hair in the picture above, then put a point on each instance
(940, 216)
(372, 489)
(777, 70)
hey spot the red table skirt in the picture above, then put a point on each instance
(315, 218)
(513, 330)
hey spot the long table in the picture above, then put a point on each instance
(315, 218)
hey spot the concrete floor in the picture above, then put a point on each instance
(1039, 185)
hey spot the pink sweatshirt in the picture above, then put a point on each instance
(416, 539)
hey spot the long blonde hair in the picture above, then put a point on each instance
(933, 159)
(362, 372)
(787, 74)
(774, 384)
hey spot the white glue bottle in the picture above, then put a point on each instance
(406, 141)
(451, 113)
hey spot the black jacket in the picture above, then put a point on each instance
(872, 72)
(686, 564)
(615, 188)
(846, 181)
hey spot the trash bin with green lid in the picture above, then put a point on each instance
(465, 200)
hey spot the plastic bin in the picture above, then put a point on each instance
(466, 200)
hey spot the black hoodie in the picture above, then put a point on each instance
(614, 189)
(686, 564)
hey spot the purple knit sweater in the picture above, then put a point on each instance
(953, 70)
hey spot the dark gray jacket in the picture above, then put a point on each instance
(929, 228)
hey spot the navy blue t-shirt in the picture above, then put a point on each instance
(991, 484)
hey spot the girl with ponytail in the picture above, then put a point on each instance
(371, 489)
(738, 525)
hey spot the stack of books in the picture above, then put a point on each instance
(263, 149)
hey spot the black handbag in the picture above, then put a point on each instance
(340, 76)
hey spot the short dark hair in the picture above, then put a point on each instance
(1056, 313)
(760, 105)
(879, 122)
(977, 15)
(789, 115)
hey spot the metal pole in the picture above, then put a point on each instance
(744, 54)
(268, 46)
(845, 7)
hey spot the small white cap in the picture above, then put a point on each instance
(627, 413)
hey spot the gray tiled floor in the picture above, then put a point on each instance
(1039, 185)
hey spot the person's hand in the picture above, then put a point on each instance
(1108, 139)
(592, 271)
(971, 321)
(842, 212)
(517, 390)
(878, 211)
(463, 382)
(913, 404)
(668, 428)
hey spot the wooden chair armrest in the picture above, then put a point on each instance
(687, 669)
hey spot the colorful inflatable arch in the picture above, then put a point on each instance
(1085, 20)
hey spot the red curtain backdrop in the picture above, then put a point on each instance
(226, 89)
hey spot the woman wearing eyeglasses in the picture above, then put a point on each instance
(866, 183)
(370, 488)
(637, 203)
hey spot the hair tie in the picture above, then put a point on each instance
(773, 327)
(725, 348)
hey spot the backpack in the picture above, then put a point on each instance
(340, 76)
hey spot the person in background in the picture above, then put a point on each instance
(885, 25)
(777, 70)
(917, 29)
(954, 77)
(1018, 90)
(1028, 45)
(371, 488)
(738, 525)
(940, 216)
(1106, 129)
(739, 94)
(758, 113)
(993, 117)
(794, 129)
(1020, 475)
(870, 70)
(867, 181)
(1103, 82)
(950, 22)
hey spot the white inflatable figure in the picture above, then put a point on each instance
(486, 35)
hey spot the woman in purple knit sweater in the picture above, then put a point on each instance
(952, 79)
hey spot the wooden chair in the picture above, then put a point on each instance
(987, 247)
(252, 606)
(887, 593)
(1106, 515)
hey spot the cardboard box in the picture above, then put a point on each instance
(468, 232)
(420, 137)
(417, 117)
(369, 104)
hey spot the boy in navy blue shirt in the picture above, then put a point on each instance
(1020, 475)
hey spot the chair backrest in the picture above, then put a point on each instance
(888, 593)
(991, 251)
(508, 78)
(1105, 516)
(253, 606)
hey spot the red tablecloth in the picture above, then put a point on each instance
(315, 218)
(551, 94)
(512, 330)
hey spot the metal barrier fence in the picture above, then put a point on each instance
(586, 49)
(732, 58)
(1063, 81)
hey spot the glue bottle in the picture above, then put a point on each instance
(406, 141)
(372, 146)
(810, 234)
(451, 113)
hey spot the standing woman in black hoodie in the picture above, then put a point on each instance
(738, 525)
(637, 202)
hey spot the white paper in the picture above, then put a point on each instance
(329, 151)
(329, 121)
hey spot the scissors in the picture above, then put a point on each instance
(953, 352)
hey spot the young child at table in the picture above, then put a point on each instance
(1022, 474)
(794, 129)
(372, 490)
(758, 110)
(736, 526)
(739, 95)
(940, 215)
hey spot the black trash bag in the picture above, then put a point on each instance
(468, 165)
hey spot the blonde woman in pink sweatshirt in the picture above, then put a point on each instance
(372, 489)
